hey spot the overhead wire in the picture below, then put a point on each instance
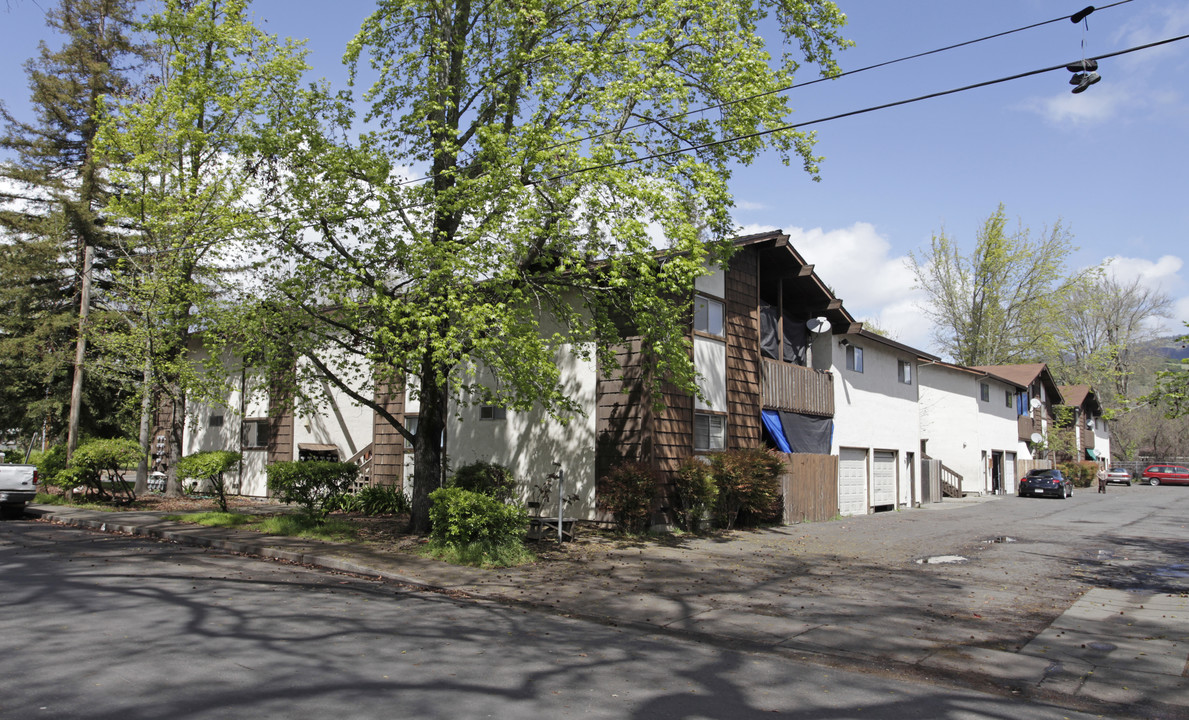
(736, 101)
(851, 113)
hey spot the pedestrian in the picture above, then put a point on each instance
(1101, 479)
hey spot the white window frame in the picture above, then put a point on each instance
(904, 372)
(709, 316)
(715, 437)
(252, 434)
(411, 425)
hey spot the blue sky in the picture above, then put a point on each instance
(1111, 164)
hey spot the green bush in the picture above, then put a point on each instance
(209, 466)
(748, 483)
(97, 462)
(382, 500)
(49, 464)
(486, 478)
(692, 493)
(627, 493)
(476, 528)
(1083, 474)
(315, 486)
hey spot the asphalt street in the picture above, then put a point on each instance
(106, 626)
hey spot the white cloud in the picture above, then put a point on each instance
(1098, 104)
(857, 263)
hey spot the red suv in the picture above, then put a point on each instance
(1167, 474)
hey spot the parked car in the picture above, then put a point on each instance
(1045, 482)
(1165, 474)
(1119, 475)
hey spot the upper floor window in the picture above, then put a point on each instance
(904, 372)
(710, 432)
(854, 358)
(411, 426)
(1007, 398)
(492, 412)
(708, 316)
(985, 392)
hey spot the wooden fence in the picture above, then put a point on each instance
(810, 487)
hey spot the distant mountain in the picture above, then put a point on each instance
(1171, 348)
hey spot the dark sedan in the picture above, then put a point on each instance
(1045, 482)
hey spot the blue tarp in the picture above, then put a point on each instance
(776, 430)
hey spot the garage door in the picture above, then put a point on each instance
(883, 478)
(852, 482)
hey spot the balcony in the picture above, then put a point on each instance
(797, 389)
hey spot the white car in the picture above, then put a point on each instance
(1119, 475)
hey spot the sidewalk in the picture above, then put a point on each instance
(1115, 652)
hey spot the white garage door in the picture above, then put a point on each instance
(852, 482)
(883, 478)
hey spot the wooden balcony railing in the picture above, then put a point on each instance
(797, 389)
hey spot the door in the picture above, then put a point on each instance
(852, 481)
(1009, 473)
(883, 478)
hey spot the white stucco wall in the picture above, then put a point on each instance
(335, 419)
(873, 410)
(529, 442)
(963, 431)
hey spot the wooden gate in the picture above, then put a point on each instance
(810, 487)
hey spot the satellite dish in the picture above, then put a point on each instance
(1035, 403)
(1089, 424)
(818, 325)
(1037, 438)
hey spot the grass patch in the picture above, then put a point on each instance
(332, 529)
(287, 525)
(480, 554)
(215, 519)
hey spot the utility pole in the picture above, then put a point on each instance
(76, 391)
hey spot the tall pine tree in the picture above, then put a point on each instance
(52, 197)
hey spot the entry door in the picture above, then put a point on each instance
(852, 481)
(1009, 473)
(883, 478)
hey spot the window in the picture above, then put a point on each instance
(215, 421)
(710, 432)
(985, 392)
(904, 372)
(411, 426)
(708, 316)
(1007, 398)
(255, 434)
(492, 412)
(854, 358)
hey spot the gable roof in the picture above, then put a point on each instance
(1024, 375)
(1082, 396)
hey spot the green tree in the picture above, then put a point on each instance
(557, 140)
(1107, 327)
(997, 304)
(1171, 393)
(192, 152)
(51, 211)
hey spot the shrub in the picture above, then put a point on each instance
(382, 500)
(486, 478)
(476, 529)
(49, 464)
(627, 493)
(693, 492)
(748, 484)
(209, 467)
(314, 485)
(1082, 474)
(97, 461)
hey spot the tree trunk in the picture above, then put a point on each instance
(428, 450)
(177, 427)
(146, 430)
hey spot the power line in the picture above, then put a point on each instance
(926, 53)
(873, 108)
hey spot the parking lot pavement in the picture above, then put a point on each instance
(1064, 608)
